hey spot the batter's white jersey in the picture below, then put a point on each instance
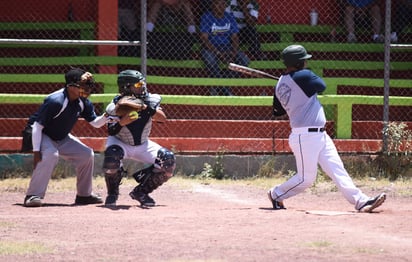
(296, 95)
(301, 102)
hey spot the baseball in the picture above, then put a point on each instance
(134, 115)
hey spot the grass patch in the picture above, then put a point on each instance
(319, 244)
(23, 248)
(400, 187)
(6, 224)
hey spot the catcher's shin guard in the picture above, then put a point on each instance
(150, 178)
(113, 182)
(113, 157)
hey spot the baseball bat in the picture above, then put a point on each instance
(250, 71)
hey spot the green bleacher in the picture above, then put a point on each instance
(338, 107)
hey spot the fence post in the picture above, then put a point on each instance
(143, 35)
(386, 73)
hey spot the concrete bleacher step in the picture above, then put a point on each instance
(12, 127)
(211, 136)
(25, 110)
(212, 145)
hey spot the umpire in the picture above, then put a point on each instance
(51, 138)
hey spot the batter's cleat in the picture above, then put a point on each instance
(111, 200)
(276, 204)
(32, 201)
(88, 200)
(373, 203)
(144, 199)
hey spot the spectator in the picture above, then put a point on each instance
(220, 43)
(128, 26)
(353, 7)
(171, 44)
(246, 13)
(174, 6)
(402, 17)
(51, 138)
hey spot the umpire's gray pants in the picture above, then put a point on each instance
(70, 149)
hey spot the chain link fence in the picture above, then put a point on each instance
(347, 43)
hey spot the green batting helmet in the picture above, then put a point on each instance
(132, 82)
(293, 54)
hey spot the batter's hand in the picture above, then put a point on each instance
(36, 158)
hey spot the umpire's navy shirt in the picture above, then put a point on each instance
(57, 128)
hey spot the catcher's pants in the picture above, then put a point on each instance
(309, 149)
(145, 153)
(71, 149)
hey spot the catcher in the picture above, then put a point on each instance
(135, 109)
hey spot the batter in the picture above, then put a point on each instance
(296, 95)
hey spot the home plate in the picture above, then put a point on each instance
(327, 213)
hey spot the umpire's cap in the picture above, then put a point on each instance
(293, 54)
(73, 76)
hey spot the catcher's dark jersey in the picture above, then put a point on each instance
(137, 132)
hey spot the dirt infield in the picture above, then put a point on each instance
(205, 222)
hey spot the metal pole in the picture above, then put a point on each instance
(143, 37)
(386, 73)
(67, 42)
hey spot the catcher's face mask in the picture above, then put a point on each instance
(138, 89)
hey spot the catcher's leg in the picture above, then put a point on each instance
(114, 172)
(149, 179)
(153, 176)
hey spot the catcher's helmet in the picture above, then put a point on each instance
(294, 54)
(132, 82)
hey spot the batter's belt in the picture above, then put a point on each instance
(302, 130)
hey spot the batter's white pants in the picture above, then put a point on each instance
(311, 149)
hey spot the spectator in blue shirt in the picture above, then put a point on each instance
(220, 43)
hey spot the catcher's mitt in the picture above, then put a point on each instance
(129, 104)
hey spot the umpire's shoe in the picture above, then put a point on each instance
(88, 200)
(276, 204)
(373, 203)
(32, 201)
